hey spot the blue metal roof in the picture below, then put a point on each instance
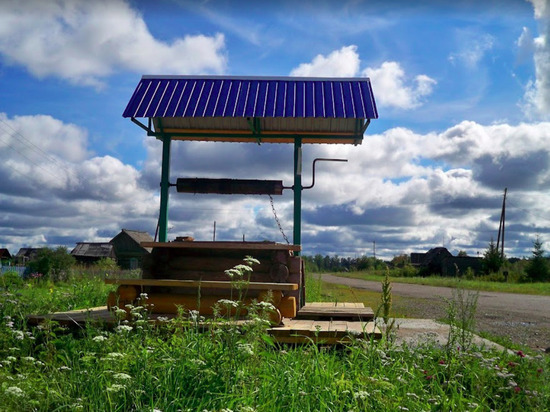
(261, 97)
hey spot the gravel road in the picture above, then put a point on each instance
(524, 319)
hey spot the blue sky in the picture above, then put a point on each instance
(463, 94)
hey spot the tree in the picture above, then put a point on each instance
(492, 259)
(462, 253)
(537, 269)
(400, 261)
(52, 263)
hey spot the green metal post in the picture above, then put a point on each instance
(164, 186)
(297, 239)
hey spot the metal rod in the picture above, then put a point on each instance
(297, 229)
(321, 160)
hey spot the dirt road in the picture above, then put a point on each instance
(523, 319)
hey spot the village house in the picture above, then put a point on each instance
(439, 261)
(128, 250)
(91, 252)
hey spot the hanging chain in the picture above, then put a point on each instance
(277, 219)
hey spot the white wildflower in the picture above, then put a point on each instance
(15, 391)
(116, 388)
(11, 358)
(361, 395)
(29, 359)
(162, 319)
(123, 328)
(198, 362)
(243, 268)
(122, 376)
(251, 261)
(64, 368)
(143, 296)
(265, 306)
(232, 273)
(99, 338)
(245, 349)
(114, 355)
(228, 302)
(120, 312)
(19, 335)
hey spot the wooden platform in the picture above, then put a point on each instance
(350, 311)
(292, 331)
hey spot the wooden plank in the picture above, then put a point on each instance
(319, 304)
(322, 332)
(207, 284)
(332, 310)
(223, 245)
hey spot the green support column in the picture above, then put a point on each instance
(297, 239)
(164, 186)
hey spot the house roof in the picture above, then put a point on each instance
(137, 236)
(28, 252)
(91, 249)
(241, 109)
(5, 253)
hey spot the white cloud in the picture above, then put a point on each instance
(84, 41)
(525, 45)
(473, 47)
(537, 95)
(390, 89)
(407, 190)
(339, 63)
(54, 189)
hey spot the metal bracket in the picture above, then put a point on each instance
(255, 127)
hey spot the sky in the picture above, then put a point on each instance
(462, 90)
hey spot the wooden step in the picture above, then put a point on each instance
(350, 311)
(323, 331)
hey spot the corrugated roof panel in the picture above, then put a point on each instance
(219, 96)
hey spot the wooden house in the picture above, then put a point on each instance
(441, 262)
(26, 254)
(128, 249)
(88, 252)
(5, 256)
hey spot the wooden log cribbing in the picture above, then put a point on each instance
(203, 284)
(208, 261)
(128, 293)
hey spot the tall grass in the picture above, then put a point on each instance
(178, 365)
(535, 288)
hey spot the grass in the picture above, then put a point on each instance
(538, 288)
(172, 367)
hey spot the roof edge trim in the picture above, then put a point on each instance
(281, 78)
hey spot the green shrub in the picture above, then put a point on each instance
(53, 263)
(10, 279)
(407, 271)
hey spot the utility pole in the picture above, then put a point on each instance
(374, 248)
(501, 225)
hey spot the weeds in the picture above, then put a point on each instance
(176, 366)
(461, 312)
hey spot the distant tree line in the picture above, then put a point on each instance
(495, 266)
(320, 263)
